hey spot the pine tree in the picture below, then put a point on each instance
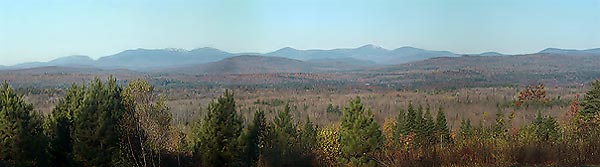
(360, 135)
(61, 122)
(22, 140)
(308, 142)
(401, 128)
(499, 128)
(96, 127)
(220, 133)
(441, 127)
(590, 106)
(284, 141)
(308, 136)
(411, 120)
(466, 129)
(545, 128)
(428, 127)
(283, 122)
(255, 137)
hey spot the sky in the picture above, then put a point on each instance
(42, 30)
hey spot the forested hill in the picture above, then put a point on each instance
(540, 62)
(253, 64)
(478, 71)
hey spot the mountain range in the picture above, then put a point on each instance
(571, 51)
(208, 60)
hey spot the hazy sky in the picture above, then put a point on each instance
(46, 29)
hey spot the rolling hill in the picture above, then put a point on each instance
(366, 56)
(144, 59)
(558, 51)
(368, 52)
(254, 64)
(463, 71)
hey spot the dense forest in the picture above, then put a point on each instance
(104, 123)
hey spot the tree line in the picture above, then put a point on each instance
(106, 124)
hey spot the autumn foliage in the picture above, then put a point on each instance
(105, 124)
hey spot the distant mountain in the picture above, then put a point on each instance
(254, 64)
(320, 59)
(350, 63)
(595, 51)
(69, 61)
(368, 52)
(143, 59)
(491, 54)
(62, 70)
(248, 64)
(486, 71)
(410, 54)
(541, 63)
(138, 59)
(485, 54)
(76, 60)
(27, 65)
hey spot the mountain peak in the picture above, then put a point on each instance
(408, 48)
(370, 46)
(72, 59)
(287, 49)
(176, 49)
(570, 51)
(550, 50)
(491, 54)
(206, 48)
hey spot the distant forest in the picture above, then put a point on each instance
(105, 123)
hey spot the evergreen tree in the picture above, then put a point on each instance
(308, 136)
(219, 134)
(419, 125)
(441, 127)
(360, 135)
(97, 131)
(401, 128)
(428, 127)
(466, 129)
(308, 142)
(545, 128)
(590, 106)
(284, 144)
(255, 138)
(499, 129)
(22, 139)
(411, 120)
(60, 128)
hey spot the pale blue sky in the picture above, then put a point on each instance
(46, 29)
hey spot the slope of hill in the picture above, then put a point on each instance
(368, 52)
(143, 59)
(411, 54)
(254, 64)
(491, 70)
(491, 54)
(76, 60)
(532, 62)
(595, 51)
(344, 63)
(63, 70)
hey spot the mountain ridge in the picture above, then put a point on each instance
(151, 59)
(253, 64)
